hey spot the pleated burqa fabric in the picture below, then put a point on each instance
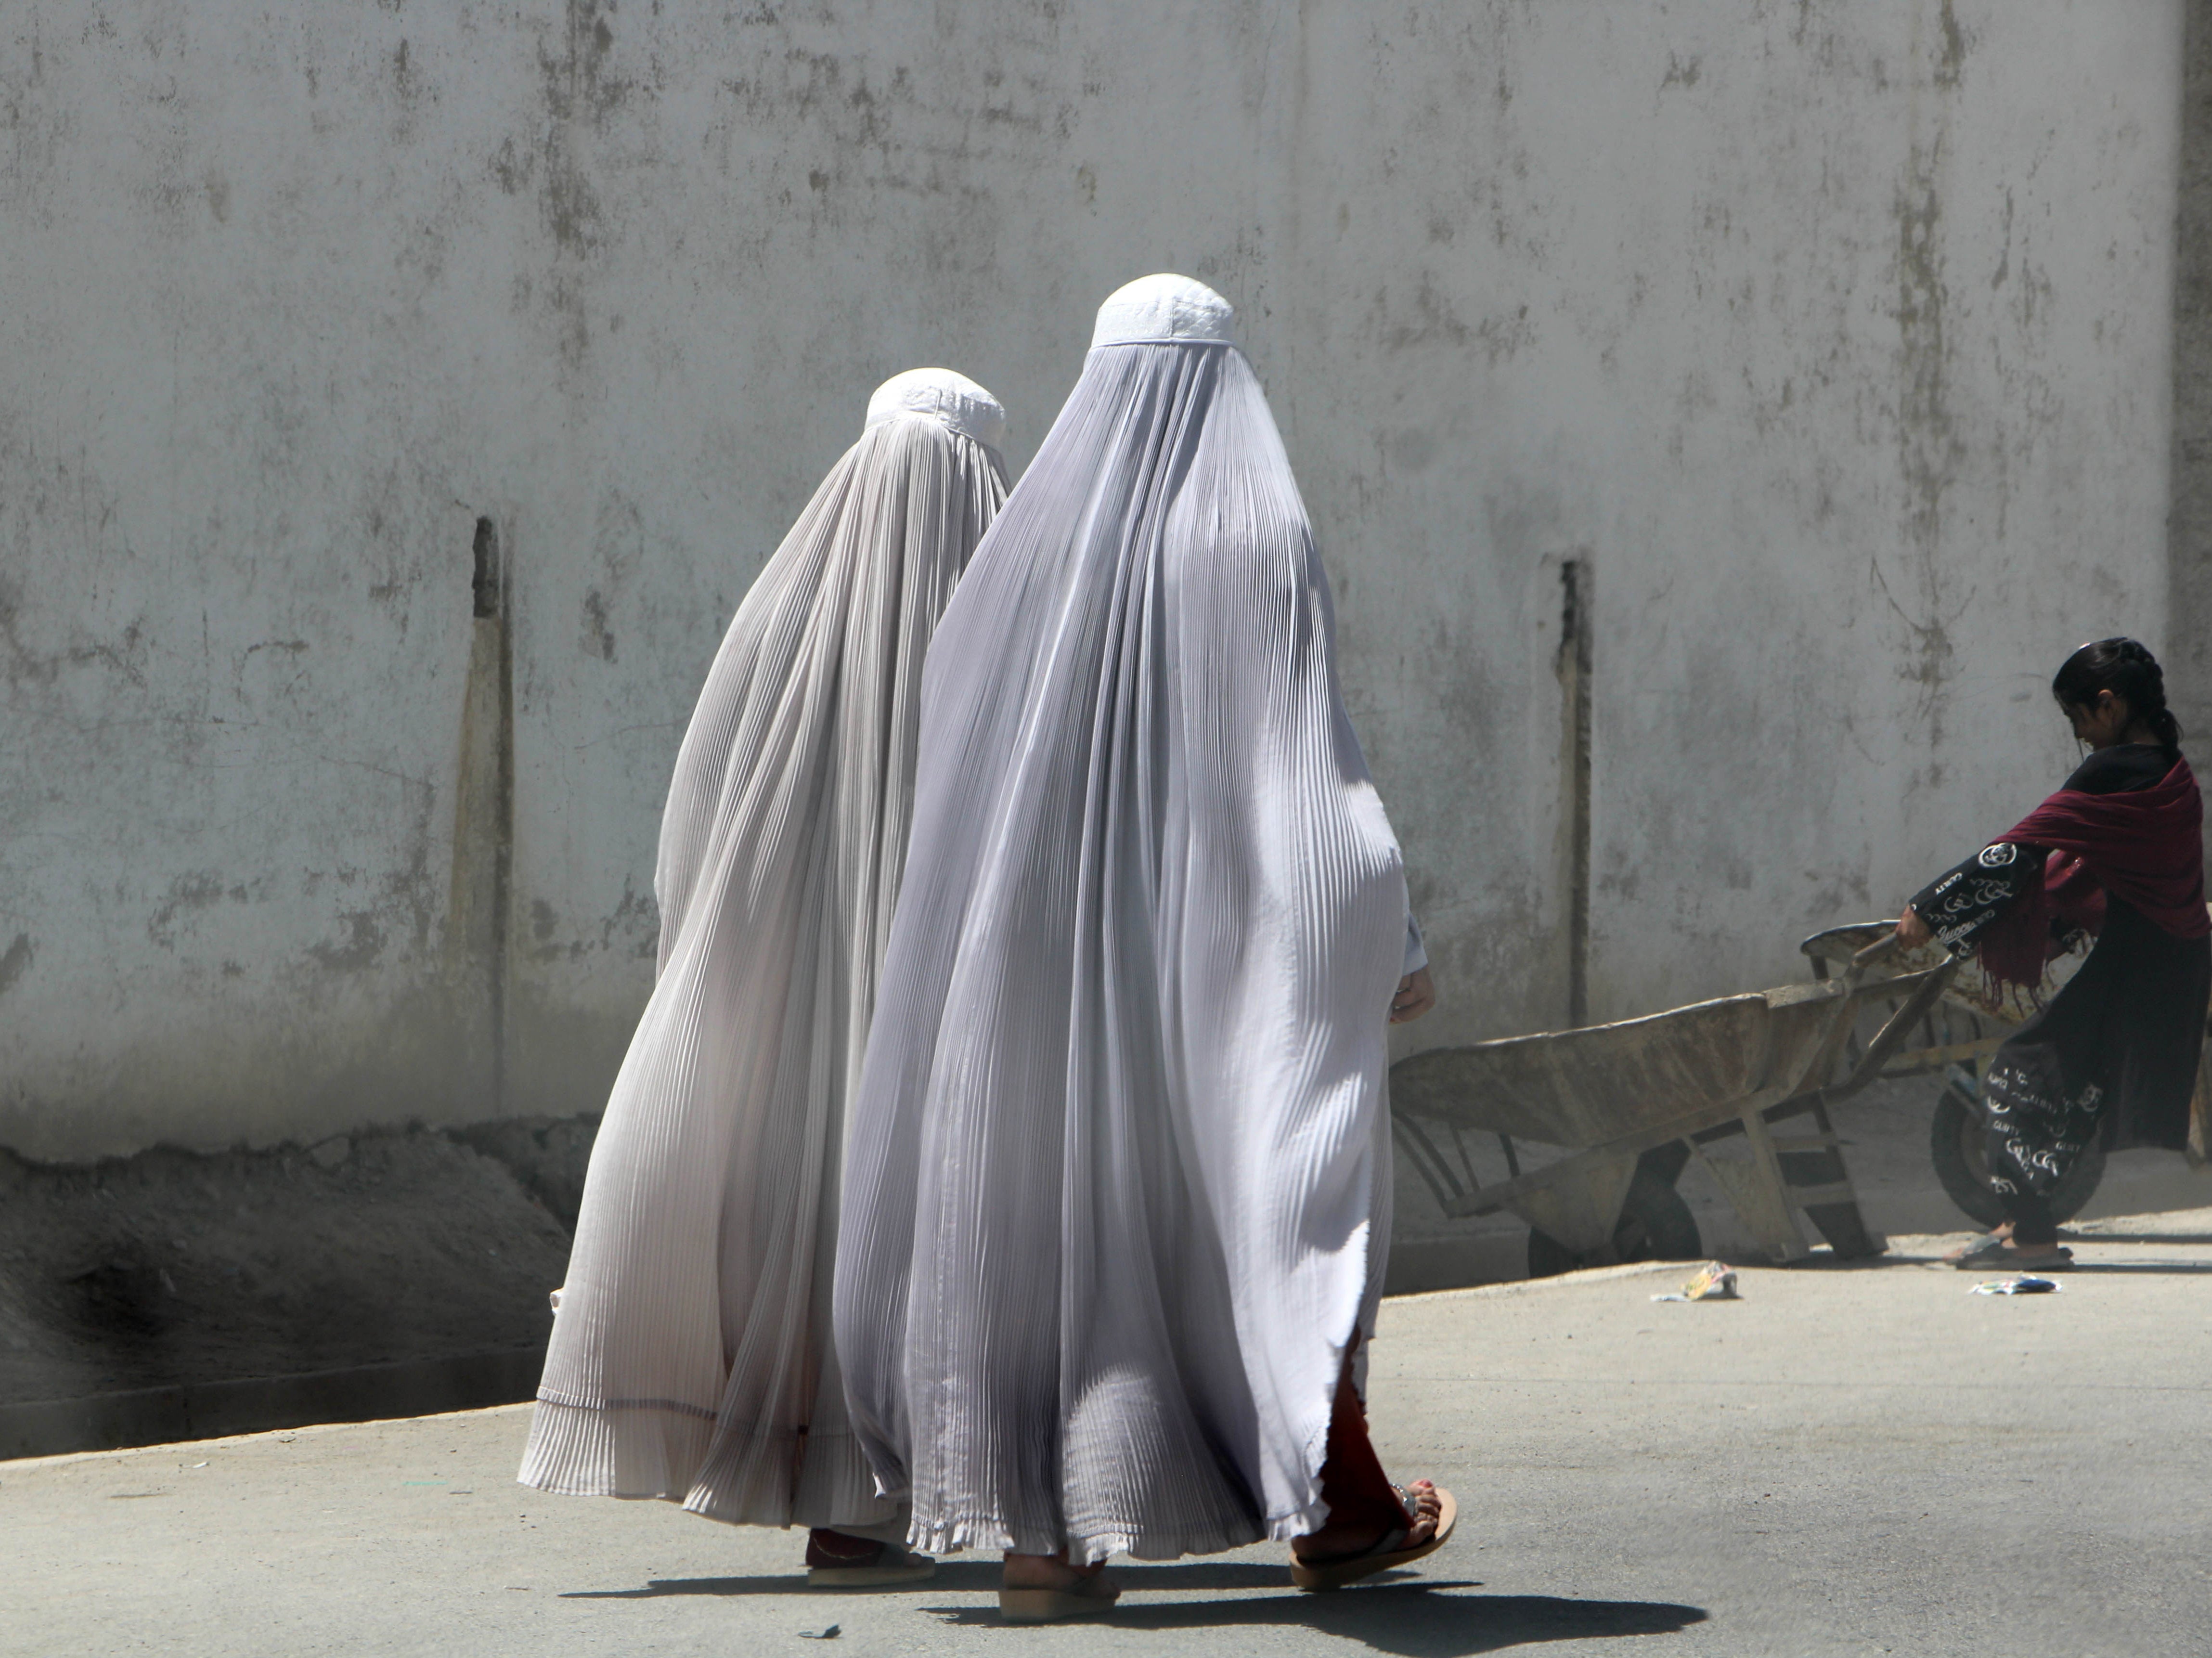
(1118, 1178)
(691, 1357)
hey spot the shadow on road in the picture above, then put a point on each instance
(2165, 1266)
(954, 1574)
(1412, 1618)
(1399, 1612)
(961, 1576)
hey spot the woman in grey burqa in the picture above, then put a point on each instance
(691, 1358)
(1118, 1180)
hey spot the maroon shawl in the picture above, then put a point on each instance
(2144, 847)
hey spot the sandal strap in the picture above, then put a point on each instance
(1409, 1501)
(1390, 1543)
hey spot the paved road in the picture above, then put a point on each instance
(1848, 1461)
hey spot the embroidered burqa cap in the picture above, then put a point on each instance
(692, 1346)
(954, 400)
(1117, 1182)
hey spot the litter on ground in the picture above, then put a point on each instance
(1716, 1281)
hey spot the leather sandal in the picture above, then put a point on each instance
(1389, 1551)
(1090, 1596)
(856, 1563)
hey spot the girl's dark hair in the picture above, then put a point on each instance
(2128, 671)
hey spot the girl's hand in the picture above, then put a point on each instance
(1417, 995)
(1912, 931)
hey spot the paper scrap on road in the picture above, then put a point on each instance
(1716, 1281)
(2023, 1285)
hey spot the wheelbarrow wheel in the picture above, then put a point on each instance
(1655, 1224)
(1958, 1145)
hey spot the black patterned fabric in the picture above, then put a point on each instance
(1963, 900)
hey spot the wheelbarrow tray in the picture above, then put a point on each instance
(1609, 1093)
(1588, 1087)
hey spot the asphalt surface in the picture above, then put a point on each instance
(1859, 1459)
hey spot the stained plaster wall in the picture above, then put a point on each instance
(1831, 339)
(2189, 599)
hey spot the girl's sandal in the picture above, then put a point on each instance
(1980, 1242)
(1090, 1596)
(1390, 1550)
(1995, 1254)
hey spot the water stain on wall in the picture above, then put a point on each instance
(361, 948)
(598, 639)
(1931, 446)
(15, 962)
(480, 890)
(186, 893)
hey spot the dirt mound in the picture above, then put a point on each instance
(547, 1154)
(175, 1267)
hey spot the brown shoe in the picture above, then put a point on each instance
(835, 1561)
(1079, 1592)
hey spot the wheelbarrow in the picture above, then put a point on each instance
(1631, 1103)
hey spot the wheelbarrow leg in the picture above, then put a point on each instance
(1821, 1187)
(1665, 1163)
(1754, 1186)
(1581, 1210)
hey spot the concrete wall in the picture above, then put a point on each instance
(1829, 342)
(2188, 660)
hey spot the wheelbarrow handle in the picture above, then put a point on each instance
(1891, 1036)
(1881, 950)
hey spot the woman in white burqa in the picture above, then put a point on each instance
(691, 1357)
(1118, 1178)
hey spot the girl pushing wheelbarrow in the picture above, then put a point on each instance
(2117, 854)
